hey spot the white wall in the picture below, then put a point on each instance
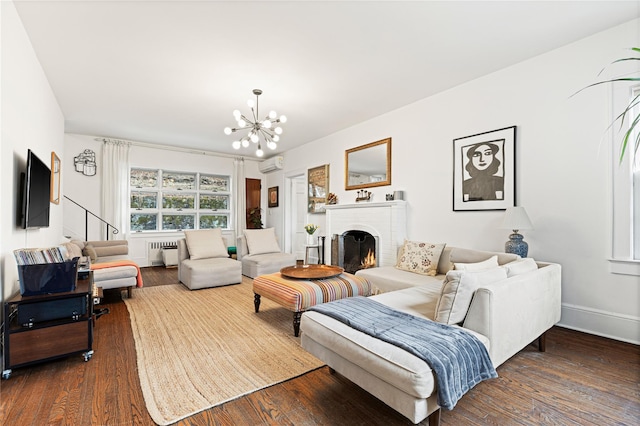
(561, 171)
(31, 119)
(86, 190)
(562, 174)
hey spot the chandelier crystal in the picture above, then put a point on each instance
(268, 129)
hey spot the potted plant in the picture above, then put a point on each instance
(254, 218)
(310, 228)
(631, 113)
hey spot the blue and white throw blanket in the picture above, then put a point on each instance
(459, 360)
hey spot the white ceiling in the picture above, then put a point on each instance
(172, 72)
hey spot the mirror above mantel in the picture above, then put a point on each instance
(369, 165)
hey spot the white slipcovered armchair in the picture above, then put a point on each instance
(260, 253)
(203, 260)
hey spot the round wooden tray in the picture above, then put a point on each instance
(311, 271)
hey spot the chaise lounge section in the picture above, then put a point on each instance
(112, 267)
(505, 309)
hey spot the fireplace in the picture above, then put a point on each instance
(354, 250)
(385, 222)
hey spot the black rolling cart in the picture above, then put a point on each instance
(44, 327)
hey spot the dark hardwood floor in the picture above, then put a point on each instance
(580, 379)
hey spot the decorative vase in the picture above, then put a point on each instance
(516, 245)
(311, 240)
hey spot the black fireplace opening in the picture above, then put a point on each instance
(354, 250)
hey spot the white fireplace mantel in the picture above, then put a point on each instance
(385, 220)
(366, 204)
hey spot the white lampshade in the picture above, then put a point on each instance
(516, 218)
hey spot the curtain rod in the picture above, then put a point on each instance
(172, 148)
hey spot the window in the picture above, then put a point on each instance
(163, 200)
(635, 196)
(634, 183)
(625, 194)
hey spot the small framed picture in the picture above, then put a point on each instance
(273, 196)
(484, 170)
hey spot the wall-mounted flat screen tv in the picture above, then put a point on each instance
(36, 193)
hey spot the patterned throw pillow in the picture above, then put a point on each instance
(418, 257)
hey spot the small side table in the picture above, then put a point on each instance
(307, 249)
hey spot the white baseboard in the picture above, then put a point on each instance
(612, 325)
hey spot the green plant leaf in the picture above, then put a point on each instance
(627, 135)
(627, 113)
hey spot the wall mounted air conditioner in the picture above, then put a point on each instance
(272, 164)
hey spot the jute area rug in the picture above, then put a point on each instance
(198, 349)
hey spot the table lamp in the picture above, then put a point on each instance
(515, 218)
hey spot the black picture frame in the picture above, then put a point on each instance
(484, 170)
(273, 196)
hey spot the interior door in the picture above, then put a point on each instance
(253, 212)
(300, 215)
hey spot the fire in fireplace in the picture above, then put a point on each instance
(369, 260)
(354, 250)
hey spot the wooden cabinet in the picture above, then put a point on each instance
(46, 327)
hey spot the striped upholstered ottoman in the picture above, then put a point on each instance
(299, 294)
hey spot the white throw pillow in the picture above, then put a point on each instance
(418, 257)
(260, 241)
(520, 267)
(458, 289)
(205, 244)
(490, 263)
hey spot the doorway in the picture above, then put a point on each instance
(295, 213)
(253, 211)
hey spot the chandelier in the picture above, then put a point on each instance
(266, 129)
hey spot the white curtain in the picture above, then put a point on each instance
(239, 196)
(115, 188)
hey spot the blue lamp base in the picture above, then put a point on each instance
(516, 245)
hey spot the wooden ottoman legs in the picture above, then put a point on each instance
(256, 301)
(296, 315)
(296, 323)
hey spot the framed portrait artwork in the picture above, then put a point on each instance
(484, 170)
(273, 196)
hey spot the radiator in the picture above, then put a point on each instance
(154, 250)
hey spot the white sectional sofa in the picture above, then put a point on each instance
(389, 278)
(505, 315)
